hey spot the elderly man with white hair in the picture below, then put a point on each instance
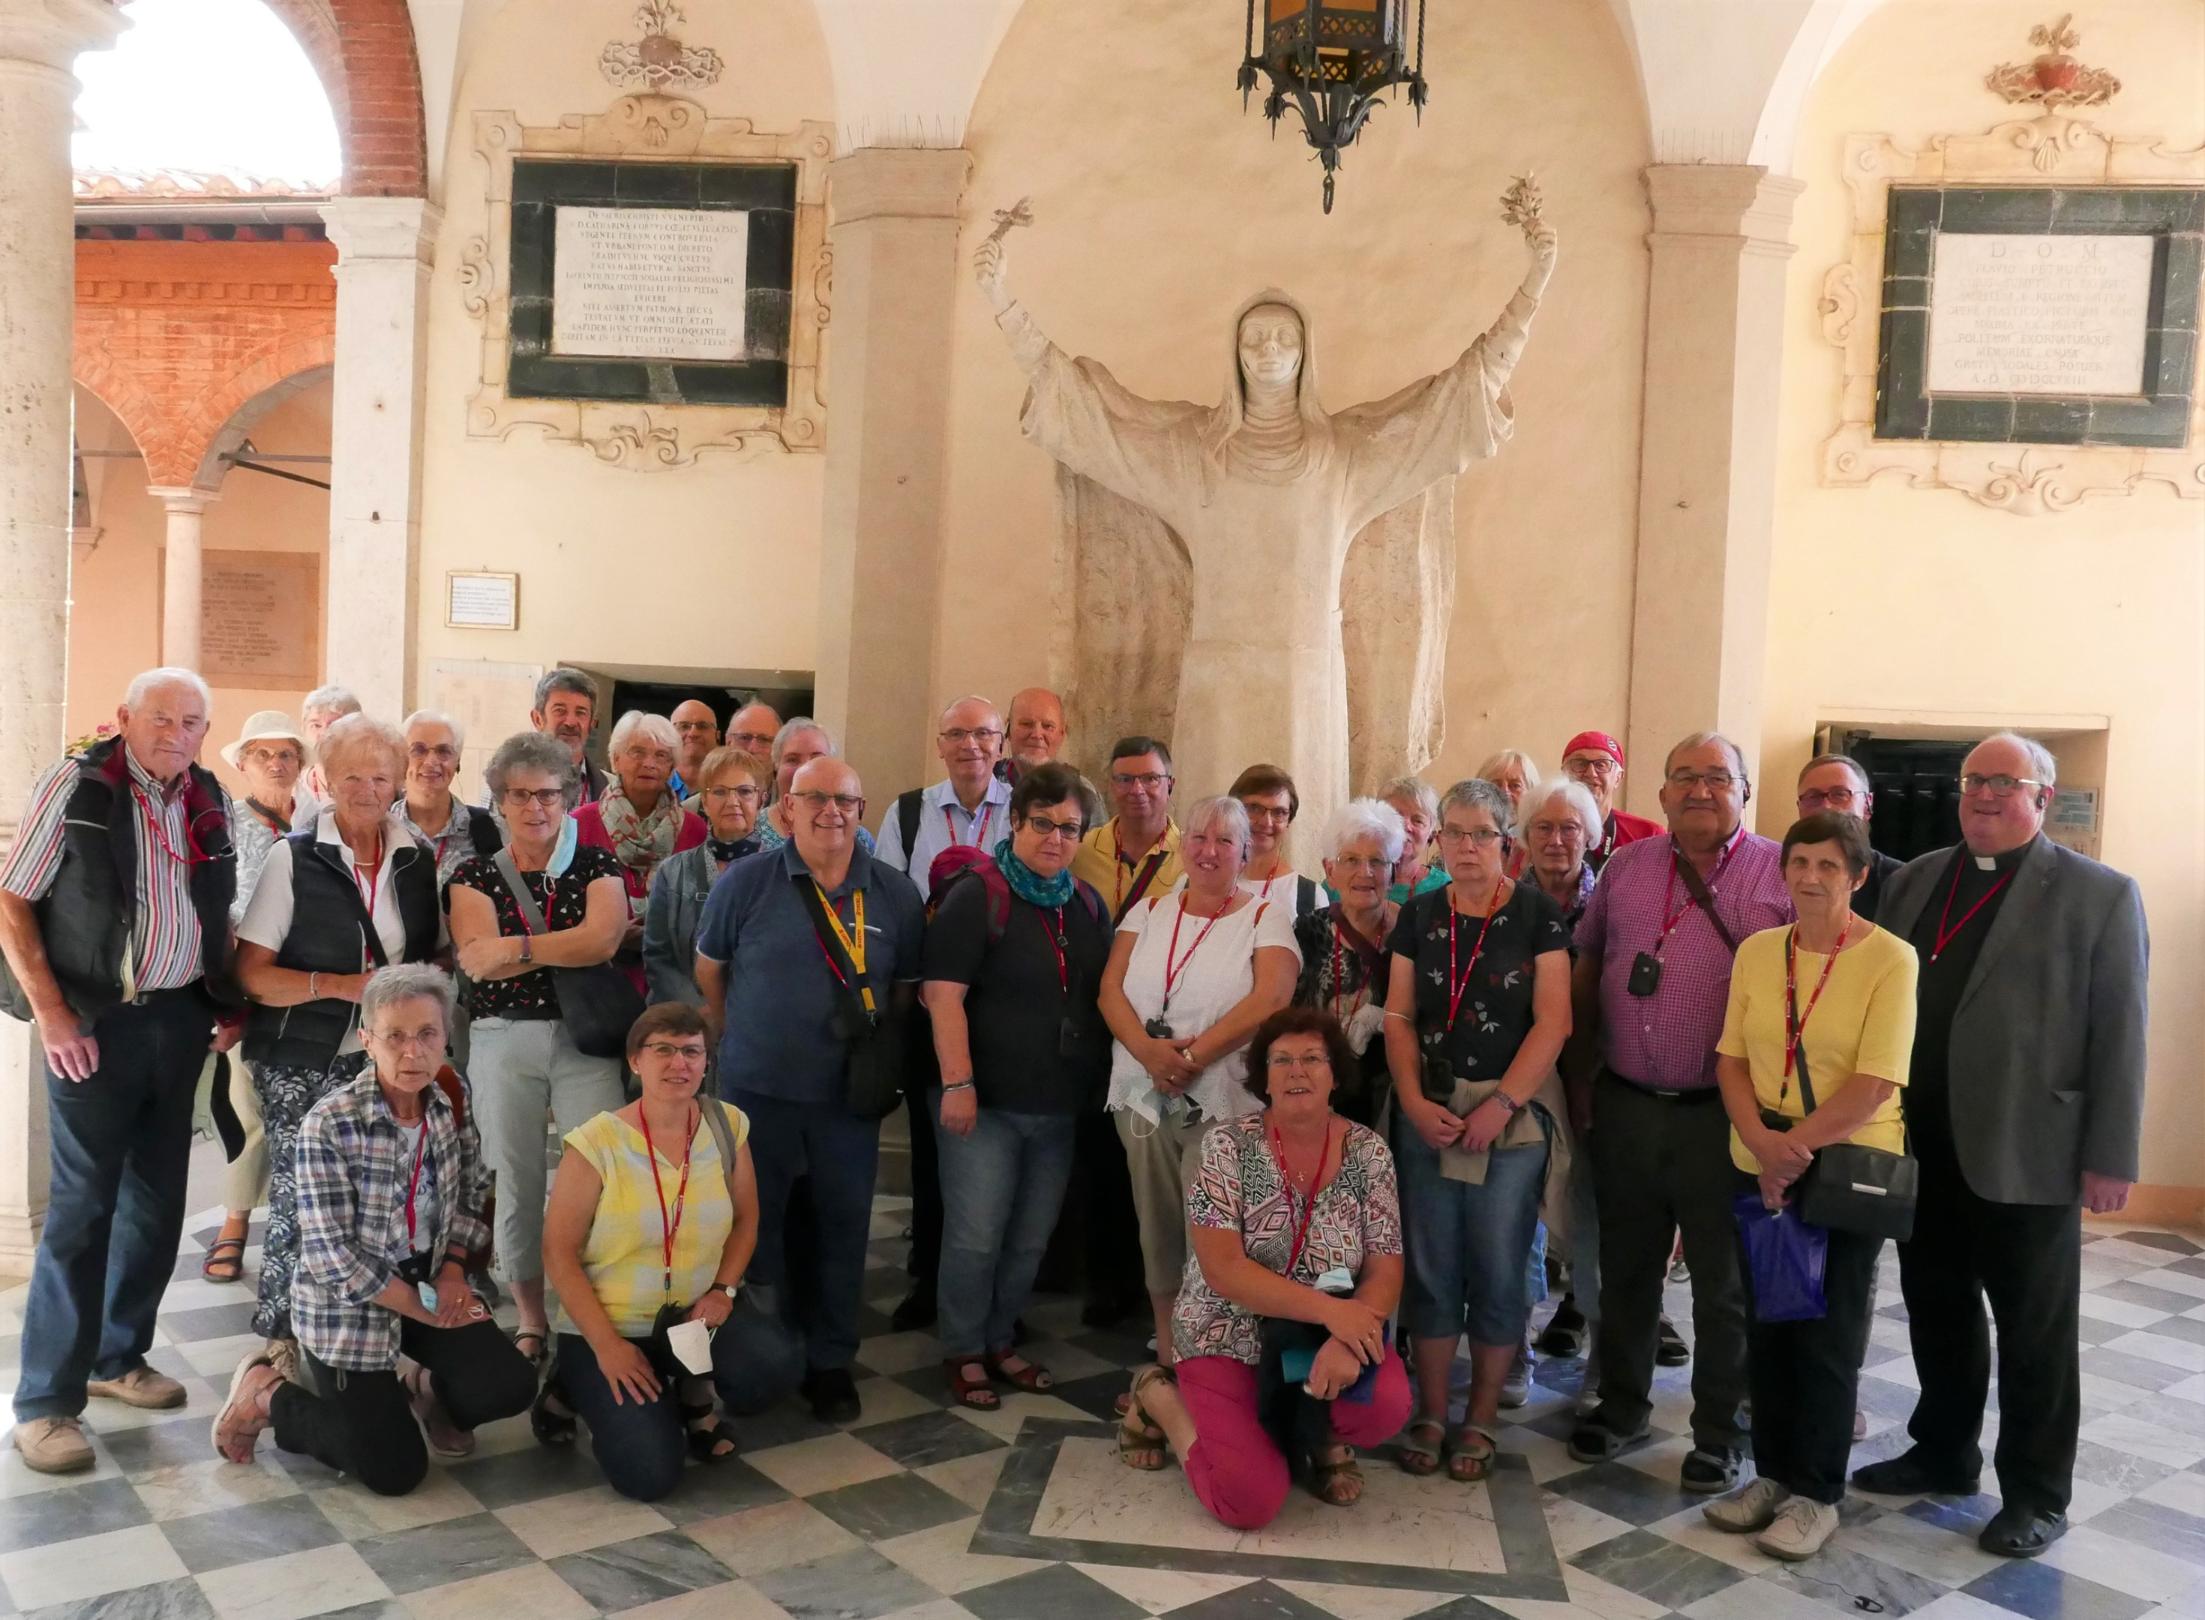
(800, 740)
(1343, 945)
(638, 818)
(968, 806)
(318, 711)
(115, 927)
(431, 811)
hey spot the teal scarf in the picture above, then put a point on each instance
(1028, 884)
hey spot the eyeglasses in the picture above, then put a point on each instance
(1483, 837)
(428, 1039)
(1267, 812)
(1282, 1062)
(443, 751)
(1046, 828)
(273, 756)
(1146, 779)
(1361, 863)
(1598, 765)
(1688, 780)
(542, 798)
(750, 738)
(2001, 786)
(960, 735)
(1835, 798)
(1567, 831)
(668, 1052)
(745, 792)
(814, 800)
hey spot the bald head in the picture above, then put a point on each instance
(1037, 731)
(751, 728)
(969, 738)
(696, 732)
(826, 804)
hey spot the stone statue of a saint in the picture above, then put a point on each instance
(1264, 580)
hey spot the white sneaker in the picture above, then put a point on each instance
(1743, 1512)
(1799, 1531)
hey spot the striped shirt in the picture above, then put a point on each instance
(164, 951)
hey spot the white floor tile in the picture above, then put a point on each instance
(2133, 1431)
(1365, 1602)
(90, 1566)
(2119, 1311)
(941, 1557)
(2121, 1564)
(358, 1512)
(739, 1600)
(554, 1526)
(760, 1540)
(1757, 1600)
(294, 1586)
(532, 1592)
(1936, 1554)
(2162, 1348)
(810, 1466)
(184, 1489)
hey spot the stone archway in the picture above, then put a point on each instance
(363, 52)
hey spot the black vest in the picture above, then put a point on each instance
(331, 932)
(85, 921)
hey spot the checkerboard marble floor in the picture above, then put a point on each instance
(920, 1512)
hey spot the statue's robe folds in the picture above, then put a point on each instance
(1245, 614)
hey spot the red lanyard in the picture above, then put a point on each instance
(420, 1146)
(1945, 936)
(154, 820)
(1057, 943)
(1286, 1178)
(1795, 1021)
(1171, 951)
(374, 877)
(671, 1223)
(1370, 974)
(1669, 888)
(1456, 987)
(979, 828)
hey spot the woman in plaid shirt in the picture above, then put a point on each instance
(391, 1187)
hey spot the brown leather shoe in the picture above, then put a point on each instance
(140, 1387)
(54, 1445)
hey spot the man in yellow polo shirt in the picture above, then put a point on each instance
(1135, 853)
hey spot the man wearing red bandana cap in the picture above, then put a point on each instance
(1595, 759)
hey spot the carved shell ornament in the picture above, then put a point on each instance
(659, 60)
(2055, 79)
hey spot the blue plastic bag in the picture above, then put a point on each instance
(1785, 1258)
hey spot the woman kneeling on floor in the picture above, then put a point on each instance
(391, 1187)
(1280, 1333)
(653, 1219)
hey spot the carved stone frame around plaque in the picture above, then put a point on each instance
(652, 128)
(2026, 479)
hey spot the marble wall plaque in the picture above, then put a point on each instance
(656, 283)
(2034, 314)
(260, 618)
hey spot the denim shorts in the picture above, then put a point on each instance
(1466, 1244)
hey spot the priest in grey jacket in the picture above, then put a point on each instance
(2025, 1106)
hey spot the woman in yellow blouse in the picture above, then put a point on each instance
(651, 1226)
(1831, 996)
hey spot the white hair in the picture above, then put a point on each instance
(144, 685)
(330, 700)
(437, 717)
(994, 713)
(406, 981)
(1221, 809)
(2039, 757)
(1525, 765)
(1416, 790)
(1572, 793)
(801, 722)
(1702, 739)
(649, 727)
(1365, 818)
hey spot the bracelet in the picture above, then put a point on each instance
(313, 987)
(1508, 1104)
(956, 1085)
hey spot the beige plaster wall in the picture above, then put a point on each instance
(1924, 605)
(711, 566)
(115, 618)
(1159, 206)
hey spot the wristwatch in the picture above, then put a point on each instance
(528, 947)
(729, 1289)
(1508, 1104)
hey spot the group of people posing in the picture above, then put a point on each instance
(1328, 1129)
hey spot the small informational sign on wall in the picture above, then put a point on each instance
(476, 601)
(260, 618)
(2073, 820)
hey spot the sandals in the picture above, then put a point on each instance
(446, 1439)
(1141, 1443)
(1417, 1455)
(1033, 1379)
(707, 1430)
(542, 1353)
(965, 1390)
(551, 1426)
(1470, 1451)
(225, 1261)
(1335, 1477)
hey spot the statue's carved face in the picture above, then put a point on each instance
(1270, 346)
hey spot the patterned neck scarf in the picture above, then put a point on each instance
(639, 841)
(1028, 884)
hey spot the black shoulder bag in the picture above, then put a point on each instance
(1851, 1188)
(1704, 900)
(598, 1004)
(872, 1085)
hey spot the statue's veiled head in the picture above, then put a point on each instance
(1271, 345)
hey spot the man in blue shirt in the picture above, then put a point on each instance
(769, 976)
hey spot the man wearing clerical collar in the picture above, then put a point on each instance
(2025, 1106)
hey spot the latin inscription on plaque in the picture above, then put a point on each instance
(657, 283)
(260, 618)
(2055, 315)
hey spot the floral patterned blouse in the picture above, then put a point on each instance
(1238, 1188)
(563, 900)
(1495, 1012)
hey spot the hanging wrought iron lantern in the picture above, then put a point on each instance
(1332, 60)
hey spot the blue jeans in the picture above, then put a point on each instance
(1466, 1244)
(834, 1155)
(121, 1153)
(1001, 1189)
(756, 1362)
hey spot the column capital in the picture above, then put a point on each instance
(897, 182)
(381, 227)
(185, 499)
(53, 33)
(1742, 201)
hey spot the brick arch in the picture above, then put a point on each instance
(363, 52)
(228, 414)
(121, 393)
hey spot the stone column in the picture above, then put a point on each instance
(181, 573)
(384, 249)
(893, 229)
(1707, 472)
(39, 40)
